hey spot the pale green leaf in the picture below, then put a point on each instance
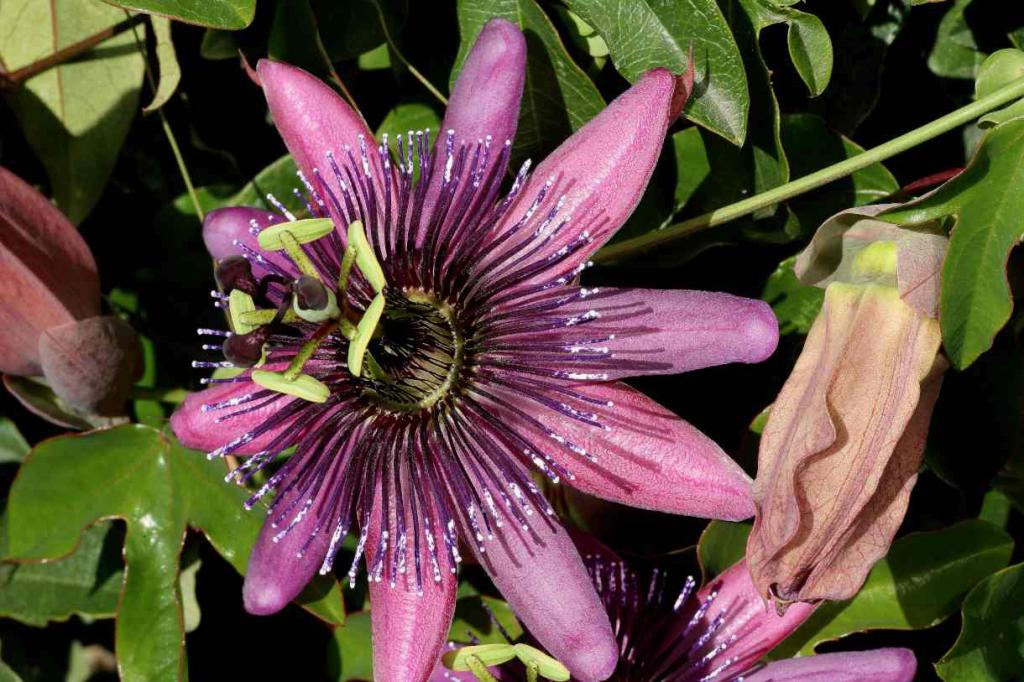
(167, 62)
(77, 114)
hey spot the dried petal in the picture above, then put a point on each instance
(841, 449)
(91, 364)
(47, 274)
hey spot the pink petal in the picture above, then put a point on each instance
(751, 628)
(484, 102)
(879, 665)
(668, 332)
(599, 174)
(648, 457)
(544, 581)
(410, 629)
(199, 429)
(485, 99)
(47, 274)
(277, 573)
(225, 228)
(311, 118)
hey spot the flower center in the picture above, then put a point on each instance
(420, 353)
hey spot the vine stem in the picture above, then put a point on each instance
(412, 69)
(629, 247)
(168, 133)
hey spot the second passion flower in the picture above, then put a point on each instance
(423, 346)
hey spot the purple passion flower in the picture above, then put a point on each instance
(423, 347)
(718, 633)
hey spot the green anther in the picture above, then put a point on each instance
(462, 660)
(548, 667)
(365, 258)
(302, 386)
(364, 332)
(302, 231)
(239, 304)
(258, 318)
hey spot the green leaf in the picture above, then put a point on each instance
(294, 38)
(76, 115)
(218, 45)
(377, 59)
(351, 657)
(278, 179)
(991, 643)
(810, 47)
(558, 97)
(916, 586)
(722, 544)
(473, 620)
(406, 117)
(159, 489)
(810, 145)
(87, 581)
(7, 673)
(1001, 68)
(167, 60)
(645, 34)
(955, 53)
(229, 14)
(350, 27)
(988, 201)
(13, 446)
(796, 304)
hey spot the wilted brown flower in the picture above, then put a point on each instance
(49, 308)
(842, 446)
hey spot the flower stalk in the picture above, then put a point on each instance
(720, 216)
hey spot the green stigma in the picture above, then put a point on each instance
(312, 301)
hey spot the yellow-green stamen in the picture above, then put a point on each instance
(461, 660)
(364, 332)
(302, 386)
(549, 668)
(364, 256)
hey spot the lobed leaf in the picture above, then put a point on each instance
(159, 489)
(987, 200)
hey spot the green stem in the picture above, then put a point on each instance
(178, 158)
(398, 53)
(966, 114)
